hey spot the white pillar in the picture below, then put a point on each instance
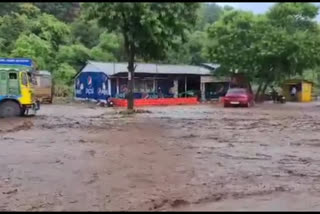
(118, 90)
(154, 85)
(203, 91)
(176, 87)
(109, 86)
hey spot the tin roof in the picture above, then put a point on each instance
(115, 68)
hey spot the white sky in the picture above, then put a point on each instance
(255, 7)
(260, 7)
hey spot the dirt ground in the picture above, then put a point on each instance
(204, 157)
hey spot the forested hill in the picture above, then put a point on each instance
(60, 38)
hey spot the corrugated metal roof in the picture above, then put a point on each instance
(210, 65)
(115, 68)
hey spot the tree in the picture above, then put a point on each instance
(86, 32)
(33, 47)
(51, 29)
(11, 26)
(232, 42)
(148, 29)
(189, 52)
(74, 55)
(268, 48)
(208, 14)
(64, 74)
(64, 11)
(301, 41)
(228, 8)
(6, 8)
(108, 47)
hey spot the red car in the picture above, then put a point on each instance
(238, 97)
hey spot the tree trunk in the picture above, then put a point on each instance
(131, 68)
(258, 92)
(263, 91)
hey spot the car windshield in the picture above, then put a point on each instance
(237, 91)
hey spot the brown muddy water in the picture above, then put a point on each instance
(81, 157)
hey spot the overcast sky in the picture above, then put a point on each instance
(254, 7)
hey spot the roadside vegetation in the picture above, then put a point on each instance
(61, 37)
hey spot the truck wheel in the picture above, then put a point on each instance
(10, 109)
(22, 112)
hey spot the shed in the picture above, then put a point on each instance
(100, 80)
(304, 90)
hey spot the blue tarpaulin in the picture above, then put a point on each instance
(92, 86)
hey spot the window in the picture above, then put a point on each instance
(13, 76)
(32, 79)
(24, 79)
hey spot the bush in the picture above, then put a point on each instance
(61, 90)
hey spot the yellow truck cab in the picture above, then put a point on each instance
(16, 88)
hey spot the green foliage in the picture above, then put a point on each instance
(107, 49)
(62, 90)
(64, 11)
(60, 37)
(10, 29)
(208, 14)
(7, 8)
(74, 55)
(268, 48)
(50, 29)
(34, 47)
(148, 29)
(294, 16)
(189, 52)
(64, 74)
(86, 32)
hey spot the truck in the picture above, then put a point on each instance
(43, 88)
(16, 87)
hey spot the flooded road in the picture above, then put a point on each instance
(204, 157)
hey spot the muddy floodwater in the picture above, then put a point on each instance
(80, 157)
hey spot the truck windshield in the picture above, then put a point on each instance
(32, 79)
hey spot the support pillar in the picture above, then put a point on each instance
(154, 85)
(109, 86)
(203, 91)
(176, 88)
(118, 90)
(185, 85)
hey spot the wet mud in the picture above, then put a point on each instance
(204, 157)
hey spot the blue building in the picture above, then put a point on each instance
(98, 80)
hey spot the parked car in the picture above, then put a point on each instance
(238, 97)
